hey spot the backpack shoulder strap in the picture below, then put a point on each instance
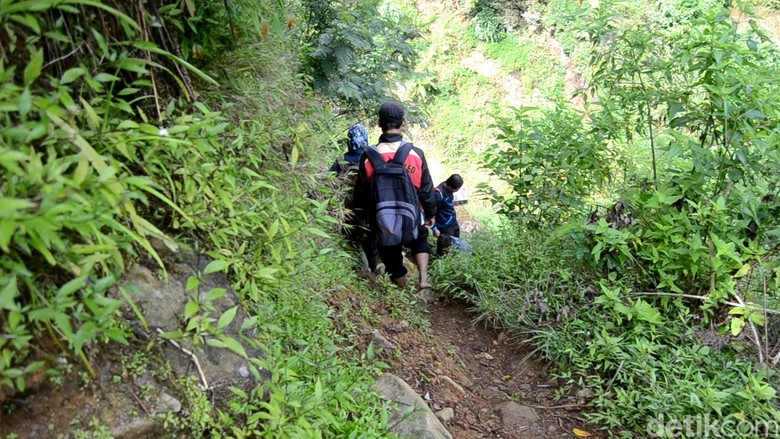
(374, 157)
(402, 153)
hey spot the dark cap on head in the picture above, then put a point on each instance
(391, 114)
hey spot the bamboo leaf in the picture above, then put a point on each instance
(7, 228)
(33, 69)
(190, 4)
(317, 232)
(743, 271)
(10, 205)
(8, 294)
(146, 185)
(27, 20)
(134, 307)
(71, 75)
(150, 47)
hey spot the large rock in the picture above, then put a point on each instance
(421, 423)
(162, 302)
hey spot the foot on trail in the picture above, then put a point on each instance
(425, 293)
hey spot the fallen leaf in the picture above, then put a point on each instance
(581, 433)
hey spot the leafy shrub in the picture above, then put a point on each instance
(104, 149)
(722, 162)
(509, 279)
(512, 56)
(71, 205)
(508, 14)
(682, 246)
(641, 365)
(565, 18)
(551, 162)
(487, 27)
(354, 52)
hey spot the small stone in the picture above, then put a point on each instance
(445, 415)
(243, 371)
(552, 428)
(514, 415)
(401, 326)
(139, 428)
(585, 394)
(168, 404)
(380, 341)
(144, 379)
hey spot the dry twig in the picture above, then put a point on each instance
(704, 298)
(194, 360)
(753, 330)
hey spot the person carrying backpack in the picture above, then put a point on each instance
(392, 190)
(346, 169)
(357, 142)
(446, 219)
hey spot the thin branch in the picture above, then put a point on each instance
(713, 275)
(162, 30)
(650, 128)
(703, 298)
(194, 360)
(140, 403)
(753, 330)
(766, 320)
(230, 21)
(63, 57)
(142, 13)
(555, 407)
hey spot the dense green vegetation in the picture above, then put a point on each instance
(191, 125)
(642, 225)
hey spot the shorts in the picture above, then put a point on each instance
(393, 257)
(452, 230)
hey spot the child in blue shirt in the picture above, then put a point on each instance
(446, 219)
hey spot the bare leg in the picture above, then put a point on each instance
(422, 266)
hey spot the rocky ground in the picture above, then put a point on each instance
(480, 383)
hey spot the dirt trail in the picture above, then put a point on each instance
(476, 372)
